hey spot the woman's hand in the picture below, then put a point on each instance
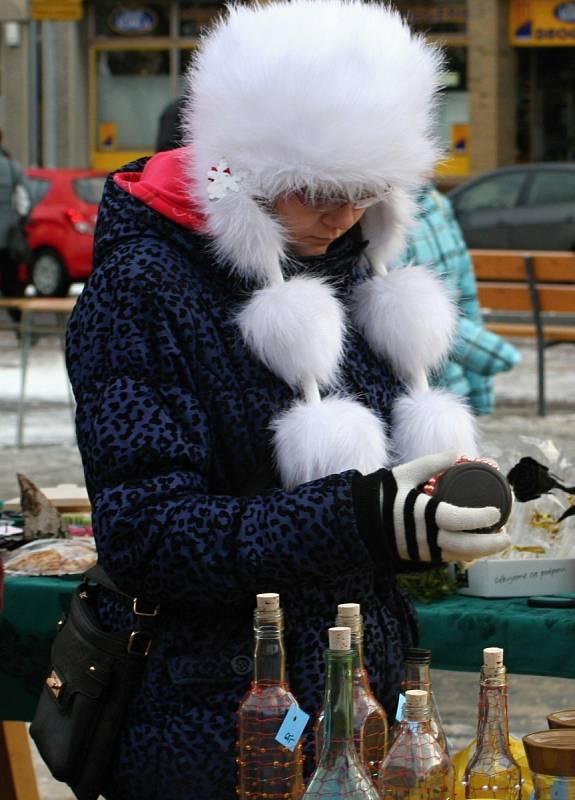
(423, 528)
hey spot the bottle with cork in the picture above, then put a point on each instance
(340, 773)
(492, 772)
(267, 768)
(417, 767)
(418, 676)
(370, 729)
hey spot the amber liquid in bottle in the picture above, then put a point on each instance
(492, 772)
(266, 769)
(416, 767)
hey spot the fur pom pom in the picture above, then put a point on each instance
(407, 318)
(426, 422)
(385, 226)
(296, 328)
(337, 434)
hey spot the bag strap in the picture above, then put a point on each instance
(145, 613)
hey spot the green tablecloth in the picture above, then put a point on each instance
(537, 641)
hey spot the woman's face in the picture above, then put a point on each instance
(312, 228)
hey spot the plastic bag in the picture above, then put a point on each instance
(52, 557)
(533, 526)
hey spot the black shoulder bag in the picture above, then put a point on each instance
(92, 676)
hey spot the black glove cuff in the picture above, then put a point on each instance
(376, 531)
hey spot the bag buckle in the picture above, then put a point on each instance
(135, 648)
(139, 612)
(54, 684)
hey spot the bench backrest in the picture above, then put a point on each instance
(506, 280)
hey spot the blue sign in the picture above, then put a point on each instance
(133, 21)
(565, 12)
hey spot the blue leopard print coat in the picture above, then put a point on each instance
(172, 419)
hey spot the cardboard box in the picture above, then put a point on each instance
(66, 497)
(520, 577)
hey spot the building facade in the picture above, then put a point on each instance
(84, 82)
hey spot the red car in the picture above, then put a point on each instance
(61, 226)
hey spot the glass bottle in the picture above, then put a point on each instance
(267, 769)
(417, 767)
(370, 730)
(492, 772)
(418, 676)
(551, 758)
(339, 773)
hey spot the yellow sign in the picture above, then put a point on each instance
(56, 10)
(107, 136)
(460, 138)
(541, 23)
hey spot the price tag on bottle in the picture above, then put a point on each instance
(292, 727)
(400, 705)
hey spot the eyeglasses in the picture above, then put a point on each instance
(326, 203)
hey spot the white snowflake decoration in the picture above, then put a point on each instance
(221, 181)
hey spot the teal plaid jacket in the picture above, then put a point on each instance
(437, 242)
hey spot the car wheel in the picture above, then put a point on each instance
(49, 274)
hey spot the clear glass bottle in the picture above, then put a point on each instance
(370, 730)
(418, 676)
(416, 767)
(267, 769)
(551, 759)
(339, 773)
(492, 772)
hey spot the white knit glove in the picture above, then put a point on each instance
(426, 529)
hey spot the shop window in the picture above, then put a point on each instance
(453, 107)
(133, 88)
(430, 16)
(132, 19)
(193, 16)
(548, 188)
(495, 193)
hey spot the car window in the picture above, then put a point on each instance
(492, 194)
(552, 186)
(38, 188)
(90, 189)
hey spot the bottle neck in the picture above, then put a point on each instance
(493, 721)
(269, 652)
(417, 676)
(356, 627)
(338, 703)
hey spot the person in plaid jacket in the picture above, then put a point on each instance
(477, 354)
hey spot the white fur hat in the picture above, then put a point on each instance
(309, 93)
(327, 96)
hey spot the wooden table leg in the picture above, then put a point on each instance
(17, 777)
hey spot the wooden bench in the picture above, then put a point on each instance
(528, 294)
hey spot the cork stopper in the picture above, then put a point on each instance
(268, 601)
(349, 615)
(551, 752)
(562, 719)
(339, 638)
(493, 657)
(348, 610)
(417, 704)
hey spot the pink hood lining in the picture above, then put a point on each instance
(162, 187)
